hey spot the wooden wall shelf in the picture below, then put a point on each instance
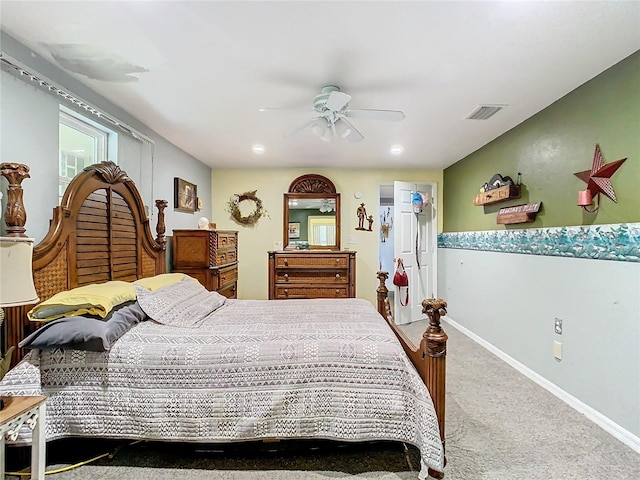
(510, 218)
(497, 195)
(518, 214)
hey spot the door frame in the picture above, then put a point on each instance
(433, 236)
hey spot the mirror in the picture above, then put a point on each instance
(311, 214)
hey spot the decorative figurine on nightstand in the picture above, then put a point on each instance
(203, 223)
(362, 215)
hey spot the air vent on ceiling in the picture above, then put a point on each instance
(483, 112)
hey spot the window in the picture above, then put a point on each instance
(82, 142)
(322, 231)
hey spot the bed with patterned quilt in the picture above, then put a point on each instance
(168, 360)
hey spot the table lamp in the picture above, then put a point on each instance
(16, 282)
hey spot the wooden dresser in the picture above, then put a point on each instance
(211, 256)
(312, 274)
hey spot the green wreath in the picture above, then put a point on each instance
(233, 207)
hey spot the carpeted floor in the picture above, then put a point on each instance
(500, 426)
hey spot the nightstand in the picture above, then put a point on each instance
(19, 411)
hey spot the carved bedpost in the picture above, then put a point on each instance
(436, 350)
(160, 226)
(382, 292)
(15, 216)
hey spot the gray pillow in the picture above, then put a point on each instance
(85, 333)
(183, 304)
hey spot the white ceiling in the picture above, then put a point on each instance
(202, 69)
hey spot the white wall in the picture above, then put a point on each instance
(29, 135)
(511, 301)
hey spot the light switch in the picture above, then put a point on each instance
(557, 350)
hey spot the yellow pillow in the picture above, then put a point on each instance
(95, 299)
(162, 280)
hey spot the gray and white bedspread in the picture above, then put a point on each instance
(250, 369)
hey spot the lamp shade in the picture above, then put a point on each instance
(16, 277)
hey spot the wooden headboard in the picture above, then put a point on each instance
(99, 232)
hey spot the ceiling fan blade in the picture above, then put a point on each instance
(390, 115)
(337, 101)
(291, 133)
(277, 109)
(347, 131)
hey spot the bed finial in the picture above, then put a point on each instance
(434, 308)
(15, 216)
(382, 291)
(435, 340)
(160, 226)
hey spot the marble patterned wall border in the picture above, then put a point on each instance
(620, 242)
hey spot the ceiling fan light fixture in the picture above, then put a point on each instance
(319, 127)
(331, 116)
(326, 206)
(342, 129)
(328, 135)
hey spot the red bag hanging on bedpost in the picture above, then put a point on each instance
(401, 280)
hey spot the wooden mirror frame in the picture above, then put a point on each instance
(308, 187)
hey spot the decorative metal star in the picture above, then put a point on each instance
(598, 179)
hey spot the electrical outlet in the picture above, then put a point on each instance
(352, 239)
(558, 325)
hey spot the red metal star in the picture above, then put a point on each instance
(598, 179)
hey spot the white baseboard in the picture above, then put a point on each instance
(598, 418)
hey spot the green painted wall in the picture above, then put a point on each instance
(548, 148)
(302, 216)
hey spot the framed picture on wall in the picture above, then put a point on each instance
(294, 229)
(185, 196)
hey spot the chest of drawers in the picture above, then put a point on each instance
(312, 274)
(211, 256)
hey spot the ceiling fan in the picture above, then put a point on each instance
(331, 113)
(327, 205)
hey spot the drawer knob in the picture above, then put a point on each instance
(286, 292)
(337, 261)
(337, 292)
(224, 240)
(337, 275)
(286, 277)
(286, 262)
